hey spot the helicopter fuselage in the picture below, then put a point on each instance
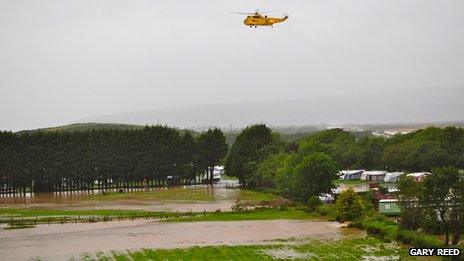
(259, 20)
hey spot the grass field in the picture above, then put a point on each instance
(350, 182)
(17, 216)
(253, 196)
(258, 214)
(14, 215)
(358, 248)
(37, 212)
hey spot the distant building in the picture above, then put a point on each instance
(217, 172)
(350, 174)
(419, 176)
(393, 177)
(375, 175)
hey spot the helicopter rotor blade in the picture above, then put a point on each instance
(271, 11)
(241, 13)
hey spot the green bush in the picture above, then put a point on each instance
(418, 239)
(386, 229)
(314, 203)
(350, 206)
(327, 210)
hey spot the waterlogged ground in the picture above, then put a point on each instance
(265, 234)
(187, 198)
(61, 242)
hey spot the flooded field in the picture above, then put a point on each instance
(72, 240)
(59, 242)
(186, 198)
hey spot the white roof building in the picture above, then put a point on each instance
(393, 176)
(374, 175)
(350, 174)
(419, 176)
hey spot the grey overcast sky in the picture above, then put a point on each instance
(62, 60)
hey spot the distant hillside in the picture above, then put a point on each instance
(287, 134)
(410, 106)
(87, 127)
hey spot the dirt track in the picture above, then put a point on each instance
(58, 242)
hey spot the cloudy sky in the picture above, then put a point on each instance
(64, 60)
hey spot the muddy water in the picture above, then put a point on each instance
(59, 242)
(222, 199)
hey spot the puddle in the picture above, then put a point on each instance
(288, 253)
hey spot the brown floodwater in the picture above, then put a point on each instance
(223, 199)
(60, 242)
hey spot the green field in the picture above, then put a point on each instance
(38, 212)
(258, 214)
(357, 248)
(350, 182)
(18, 216)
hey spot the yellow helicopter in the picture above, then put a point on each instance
(260, 19)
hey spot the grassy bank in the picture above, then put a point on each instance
(346, 249)
(15, 216)
(349, 182)
(258, 214)
(38, 212)
(255, 196)
(37, 216)
(388, 230)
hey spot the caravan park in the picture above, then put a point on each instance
(300, 200)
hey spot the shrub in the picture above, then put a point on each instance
(351, 206)
(327, 210)
(314, 203)
(383, 228)
(418, 239)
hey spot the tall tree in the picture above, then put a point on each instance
(250, 148)
(435, 204)
(314, 175)
(212, 148)
(442, 194)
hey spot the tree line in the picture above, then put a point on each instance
(56, 161)
(307, 168)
